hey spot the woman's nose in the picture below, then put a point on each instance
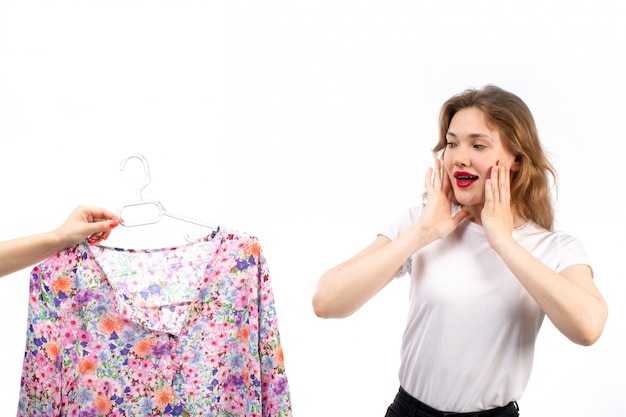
(461, 157)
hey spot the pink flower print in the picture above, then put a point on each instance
(73, 322)
(190, 371)
(45, 328)
(136, 390)
(242, 301)
(223, 373)
(98, 345)
(43, 375)
(149, 379)
(27, 369)
(253, 395)
(270, 406)
(84, 337)
(190, 390)
(134, 363)
(233, 404)
(221, 349)
(266, 300)
(210, 346)
(241, 281)
(34, 302)
(146, 364)
(140, 375)
(88, 380)
(73, 408)
(49, 385)
(67, 337)
(167, 369)
(109, 386)
(41, 359)
(213, 361)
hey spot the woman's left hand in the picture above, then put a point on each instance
(497, 215)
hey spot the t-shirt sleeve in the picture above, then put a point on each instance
(395, 229)
(572, 253)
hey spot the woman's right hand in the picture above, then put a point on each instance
(436, 218)
(93, 223)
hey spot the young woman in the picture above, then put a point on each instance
(485, 266)
(85, 222)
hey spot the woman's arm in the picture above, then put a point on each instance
(570, 299)
(22, 252)
(344, 289)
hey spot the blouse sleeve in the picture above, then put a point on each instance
(274, 385)
(40, 391)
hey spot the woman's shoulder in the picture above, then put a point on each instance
(531, 227)
(532, 232)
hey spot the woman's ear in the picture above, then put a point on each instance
(515, 167)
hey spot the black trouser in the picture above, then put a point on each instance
(404, 405)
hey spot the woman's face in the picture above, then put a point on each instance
(473, 149)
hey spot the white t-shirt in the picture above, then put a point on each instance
(471, 329)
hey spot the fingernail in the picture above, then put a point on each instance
(106, 235)
(113, 224)
(93, 240)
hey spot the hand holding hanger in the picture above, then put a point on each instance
(92, 223)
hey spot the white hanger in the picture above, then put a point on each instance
(161, 211)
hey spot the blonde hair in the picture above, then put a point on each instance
(509, 115)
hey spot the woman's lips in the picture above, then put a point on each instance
(464, 179)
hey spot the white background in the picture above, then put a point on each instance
(310, 124)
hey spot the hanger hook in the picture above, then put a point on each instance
(146, 171)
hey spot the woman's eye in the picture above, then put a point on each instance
(450, 144)
(478, 146)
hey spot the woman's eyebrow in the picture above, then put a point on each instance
(472, 135)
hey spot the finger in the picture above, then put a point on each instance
(488, 195)
(437, 175)
(445, 180)
(98, 213)
(460, 215)
(495, 184)
(428, 180)
(505, 183)
(447, 184)
(95, 238)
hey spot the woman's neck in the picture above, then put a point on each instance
(475, 216)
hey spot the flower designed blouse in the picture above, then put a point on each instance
(181, 331)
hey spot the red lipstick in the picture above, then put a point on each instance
(464, 179)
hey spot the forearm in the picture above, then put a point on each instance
(344, 289)
(23, 252)
(570, 299)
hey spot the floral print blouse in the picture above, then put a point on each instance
(181, 331)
